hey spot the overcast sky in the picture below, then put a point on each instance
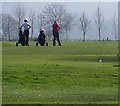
(59, 0)
(109, 10)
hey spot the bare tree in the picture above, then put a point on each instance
(99, 20)
(68, 24)
(53, 12)
(115, 27)
(32, 21)
(41, 21)
(19, 13)
(84, 24)
(8, 25)
(59, 13)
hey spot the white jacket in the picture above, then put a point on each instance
(26, 26)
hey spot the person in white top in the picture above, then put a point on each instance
(26, 27)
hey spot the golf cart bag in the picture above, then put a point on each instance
(21, 39)
(41, 39)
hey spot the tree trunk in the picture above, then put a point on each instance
(32, 34)
(83, 36)
(19, 23)
(66, 37)
(115, 36)
(99, 35)
(8, 31)
(9, 36)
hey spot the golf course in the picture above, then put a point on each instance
(67, 74)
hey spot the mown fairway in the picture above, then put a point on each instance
(69, 74)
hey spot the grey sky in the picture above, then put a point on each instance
(59, 0)
(109, 9)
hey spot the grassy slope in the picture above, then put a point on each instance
(68, 74)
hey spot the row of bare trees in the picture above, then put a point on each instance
(85, 23)
(99, 21)
(9, 25)
(46, 18)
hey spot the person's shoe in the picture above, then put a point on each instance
(60, 45)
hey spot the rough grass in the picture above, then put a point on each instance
(67, 74)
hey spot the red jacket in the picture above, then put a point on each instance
(56, 27)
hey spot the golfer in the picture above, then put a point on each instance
(56, 28)
(26, 27)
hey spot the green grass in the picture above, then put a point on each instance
(70, 74)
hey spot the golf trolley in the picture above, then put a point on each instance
(21, 39)
(37, 43)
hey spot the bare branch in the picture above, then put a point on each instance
(32, 20)
(8, 26)
(99, 20)
(84, 24)
(19, 13)
(115, 27)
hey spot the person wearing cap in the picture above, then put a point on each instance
(41, 37)
(56, 28)
(26, 27)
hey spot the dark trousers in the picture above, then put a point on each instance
(26, 33)
(56, 36)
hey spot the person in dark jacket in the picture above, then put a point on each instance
(56, 29)
(41, 37)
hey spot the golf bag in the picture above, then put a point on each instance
(41, 39)
(21, 39)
